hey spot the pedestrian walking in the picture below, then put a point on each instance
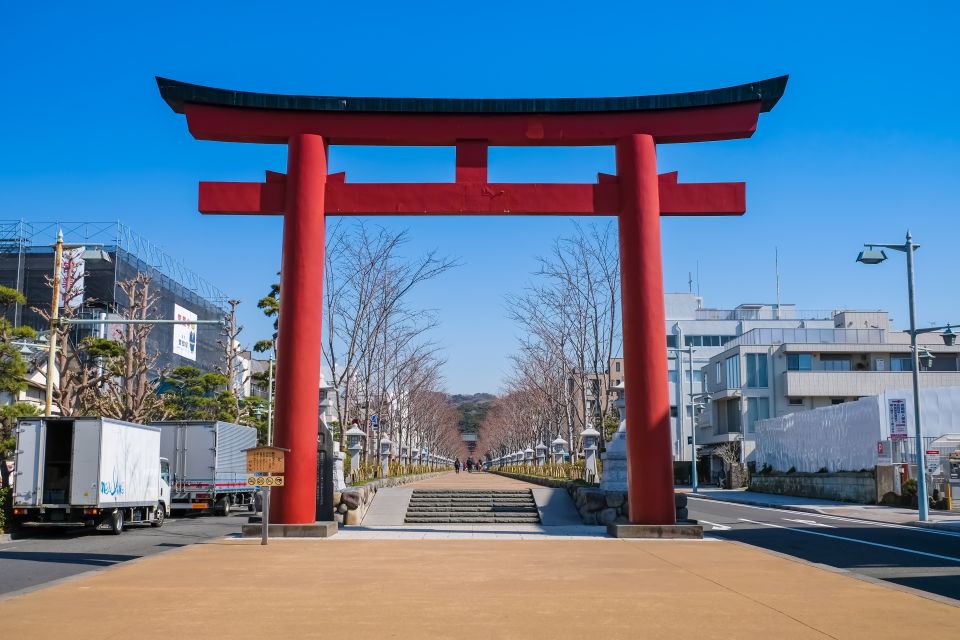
(456, 465)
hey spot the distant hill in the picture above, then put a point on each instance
(476, 398)
(472, 409)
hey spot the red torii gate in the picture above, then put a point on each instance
(636, 195)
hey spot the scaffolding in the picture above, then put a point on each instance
(21, 236)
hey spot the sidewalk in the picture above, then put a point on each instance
(334, 588)
(949, 521)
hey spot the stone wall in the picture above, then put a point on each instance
(351, 503)
(846, 486)
(595, 505)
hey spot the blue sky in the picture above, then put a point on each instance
(864, 144)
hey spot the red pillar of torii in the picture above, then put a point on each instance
(636, 195)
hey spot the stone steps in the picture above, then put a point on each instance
(460, 506)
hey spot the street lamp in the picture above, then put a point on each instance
(874, 254)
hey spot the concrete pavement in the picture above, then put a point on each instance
(448, 589)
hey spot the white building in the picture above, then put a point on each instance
(770, 372)
(708, 331)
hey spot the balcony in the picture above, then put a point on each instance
(849, 384)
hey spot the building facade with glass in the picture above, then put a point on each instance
(770, 372)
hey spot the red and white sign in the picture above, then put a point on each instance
(933, 452)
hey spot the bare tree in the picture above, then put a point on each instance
(367, 282)
(229, 344)
(131, 392)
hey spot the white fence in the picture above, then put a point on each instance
(844, 437)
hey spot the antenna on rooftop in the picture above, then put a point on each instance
(776, 268)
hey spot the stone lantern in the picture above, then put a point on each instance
(615, 456)
(528, 456)
(355, 436)
(405, 454)
(385, 447)
(591, 438)
(559, 449)
(541, 454)
(424, 456)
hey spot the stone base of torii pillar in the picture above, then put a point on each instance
(614, 478)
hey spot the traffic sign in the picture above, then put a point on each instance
(264, 481)
(375, 422)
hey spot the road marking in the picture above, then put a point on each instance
(875, 523)
(716, 527)
(812, 523)
(866, 542)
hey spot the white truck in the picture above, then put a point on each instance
(75, 472)
(208, 464)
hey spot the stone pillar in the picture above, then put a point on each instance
(591, 437)
(385, 445)
(615, 456)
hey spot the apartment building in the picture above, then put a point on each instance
(770, 372)
(706, 331)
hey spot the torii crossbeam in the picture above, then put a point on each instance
(636, 195)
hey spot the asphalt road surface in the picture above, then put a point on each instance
(48, 555)
(923, 559)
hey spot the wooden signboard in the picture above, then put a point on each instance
(265, 460)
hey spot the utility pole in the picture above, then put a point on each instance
(54, 321)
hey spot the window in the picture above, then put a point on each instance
(730, 416)
(706, 341)
(799, 362)
(733, 372)
(834, 363)
(616, 366)
(671, 343)
(672, 376)
(673, 411)
(717, 373)
(795, 402)
(757, 409)
(901, 363)
(837, 400)
(757, 370)
(689, 411)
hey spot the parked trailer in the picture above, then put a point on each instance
(208, 464)
(75, 472)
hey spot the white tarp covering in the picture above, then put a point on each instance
(844, 437)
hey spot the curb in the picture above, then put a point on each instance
(789, 507)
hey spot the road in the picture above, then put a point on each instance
(923, 559)
(46, 556)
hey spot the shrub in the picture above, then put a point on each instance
(822, 470)
(765, 469)
(6, 507)
(910, 487)
(792, 470)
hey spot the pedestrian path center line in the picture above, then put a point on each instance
(867, 542)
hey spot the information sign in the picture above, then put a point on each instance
(265, 460)
(897, 411)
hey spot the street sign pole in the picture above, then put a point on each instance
(265, 520)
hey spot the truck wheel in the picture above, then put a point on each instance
(223, 506)
(116, 522)
(160, 517)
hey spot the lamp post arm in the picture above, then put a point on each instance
(930, 329)
(894, 247)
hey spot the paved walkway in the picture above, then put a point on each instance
(389, 506)
(879, 513)
(440, 589)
